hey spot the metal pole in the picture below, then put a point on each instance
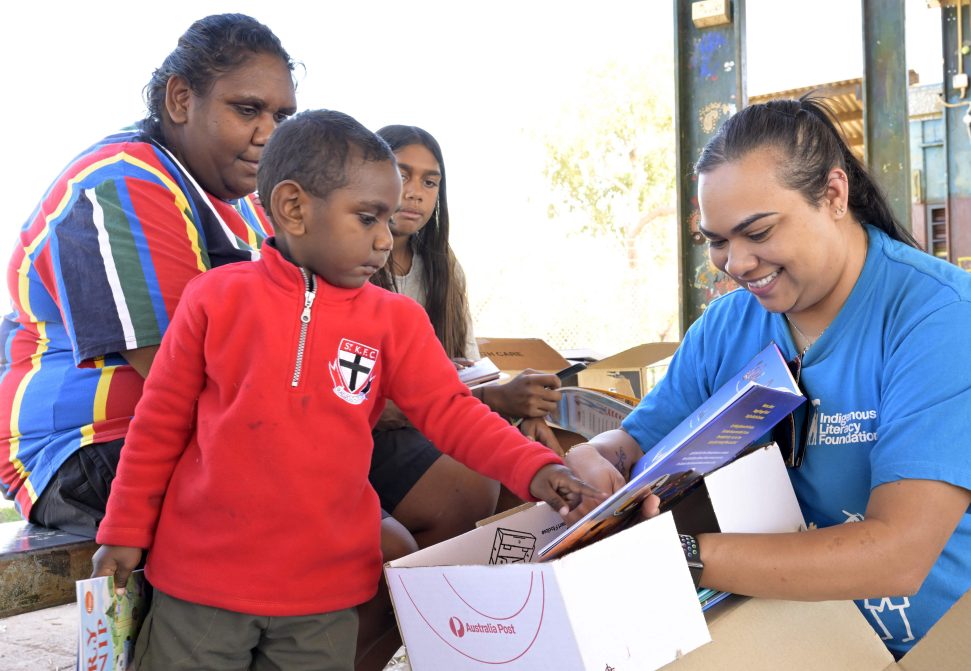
(885, 116)
(709, 87)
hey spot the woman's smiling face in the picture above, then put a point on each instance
(792, 256)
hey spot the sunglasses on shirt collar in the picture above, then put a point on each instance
(792, 443)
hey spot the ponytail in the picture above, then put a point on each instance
(867, 201)
(805, 133)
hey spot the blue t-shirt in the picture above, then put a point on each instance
(890, 380)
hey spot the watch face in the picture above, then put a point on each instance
(693, 557)
(690, 547)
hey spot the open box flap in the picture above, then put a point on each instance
(947, 646)
(655, 616)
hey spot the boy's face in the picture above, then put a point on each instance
(348, 237)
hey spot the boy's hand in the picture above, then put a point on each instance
(116, 560)
(557, 485)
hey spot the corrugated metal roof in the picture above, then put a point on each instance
(846, 100)
(844, 97)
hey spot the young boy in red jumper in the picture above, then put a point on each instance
(245, 474)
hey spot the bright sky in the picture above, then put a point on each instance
(484, 79)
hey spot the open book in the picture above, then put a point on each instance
(481, 371)
(587, 412)
(740, 412)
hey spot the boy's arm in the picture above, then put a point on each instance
(423, 382)
(160, 430)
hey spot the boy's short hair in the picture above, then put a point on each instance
(312, 149)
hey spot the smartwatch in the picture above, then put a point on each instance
(693, 556)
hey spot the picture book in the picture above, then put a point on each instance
(109, 622)
(741, 411)
(587, 412)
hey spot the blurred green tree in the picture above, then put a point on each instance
(610, 165)
(613, 160)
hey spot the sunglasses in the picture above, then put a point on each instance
(792, 443)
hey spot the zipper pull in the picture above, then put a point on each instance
(308, 300)
(308, 296)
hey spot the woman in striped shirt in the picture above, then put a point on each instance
(101, 263)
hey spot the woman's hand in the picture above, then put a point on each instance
(590, 466)
(605, 464)
(529, 394)
(537, 429)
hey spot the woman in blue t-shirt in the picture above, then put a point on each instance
(878, 329)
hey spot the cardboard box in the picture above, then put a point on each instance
(716, 505)
(626, 602)
(530, 616)
(514, 355)
(767, 635)
(632, 372)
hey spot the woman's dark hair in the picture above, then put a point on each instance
(212, 46)
(313, 148)
(445, 299)
(806, 138)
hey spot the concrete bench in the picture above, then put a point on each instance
(38, 566)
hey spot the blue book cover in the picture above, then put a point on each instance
(741, 411)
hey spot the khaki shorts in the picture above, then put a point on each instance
(180, 635)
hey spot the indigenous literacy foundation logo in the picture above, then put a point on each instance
(842, 428)
(353, 371)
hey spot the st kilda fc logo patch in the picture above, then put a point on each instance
(352, 372)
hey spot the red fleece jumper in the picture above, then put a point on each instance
(245, 471)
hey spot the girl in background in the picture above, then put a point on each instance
(428, 497)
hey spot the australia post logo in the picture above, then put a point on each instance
(456, 615)
(460, 628)
(352, 372)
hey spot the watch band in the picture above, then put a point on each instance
(692, 555)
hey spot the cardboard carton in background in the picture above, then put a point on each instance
(632, 372)
(514, 355)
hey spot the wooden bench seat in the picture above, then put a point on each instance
(39, 566)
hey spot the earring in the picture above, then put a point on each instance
(438, 209)
(840, 210)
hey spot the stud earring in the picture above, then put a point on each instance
(840, 210)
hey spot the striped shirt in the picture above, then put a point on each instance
(98, 269)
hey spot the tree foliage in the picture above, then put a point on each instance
(612, 158)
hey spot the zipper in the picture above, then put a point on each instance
(310, 293)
